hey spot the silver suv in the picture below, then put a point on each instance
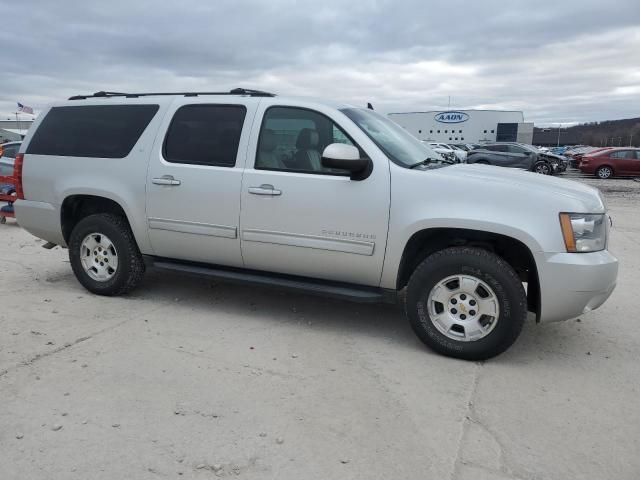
(324, 198)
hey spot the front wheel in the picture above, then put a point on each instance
(542, 168)
(104, 255)
(466, 303)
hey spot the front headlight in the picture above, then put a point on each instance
(584, 232)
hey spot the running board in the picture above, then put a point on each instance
(345, 291)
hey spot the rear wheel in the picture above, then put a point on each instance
(104, 255)
(604, 172)
(466, 303)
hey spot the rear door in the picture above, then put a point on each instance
(636, 163)
(623, 162)
(194, 177)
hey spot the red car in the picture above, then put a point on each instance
(623, 161)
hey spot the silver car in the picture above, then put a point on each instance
(314, 196)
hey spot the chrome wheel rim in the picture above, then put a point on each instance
(99, 257)
(543, 169)
(604, 172)
(463, 308)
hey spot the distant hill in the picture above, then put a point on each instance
(610, 132)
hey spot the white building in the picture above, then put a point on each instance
(466, 126)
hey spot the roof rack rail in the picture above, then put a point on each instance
(235, 91)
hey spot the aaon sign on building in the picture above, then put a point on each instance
(451, 117)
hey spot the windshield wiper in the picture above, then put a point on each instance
(426, 161)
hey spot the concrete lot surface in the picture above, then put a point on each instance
(187, 378)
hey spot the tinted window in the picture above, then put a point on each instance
(500, 148)
(293, 139)
(205, 135)
(515, 149)
(101, 131)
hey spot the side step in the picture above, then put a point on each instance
(345, 291)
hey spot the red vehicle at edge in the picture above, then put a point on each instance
(622, 161)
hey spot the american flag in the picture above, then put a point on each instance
(25, 109)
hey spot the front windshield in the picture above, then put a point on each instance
(400, 146)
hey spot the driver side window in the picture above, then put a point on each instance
(516, 149)
(293, 139)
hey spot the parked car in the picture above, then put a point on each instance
(623, 161)
(561, 160)
(299, 194)
(514, 155)
(577, 154)
(8, 152)
(448, 151)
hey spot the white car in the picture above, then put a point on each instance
(313, 196)
(447, 150)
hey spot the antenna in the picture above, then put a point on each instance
(369, 106)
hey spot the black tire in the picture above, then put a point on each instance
(130, 268)
(604, 172)
(488, 268)
(543, 168)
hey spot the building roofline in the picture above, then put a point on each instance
(460, 110)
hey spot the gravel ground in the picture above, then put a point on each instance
(187, 378)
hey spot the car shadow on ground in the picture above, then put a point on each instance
(265, 304)
(298, 310)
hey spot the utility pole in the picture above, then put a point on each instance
(559, 127)
(630, 138)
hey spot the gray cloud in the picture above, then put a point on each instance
(558, 61)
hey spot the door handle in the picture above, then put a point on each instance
(166, 180)
(265, 189)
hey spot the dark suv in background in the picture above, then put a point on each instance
(514, 155)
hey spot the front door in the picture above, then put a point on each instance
(303, 219)
(194, 177)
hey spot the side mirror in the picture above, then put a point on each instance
(346, 157)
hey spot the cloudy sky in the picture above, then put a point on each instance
(558, 61)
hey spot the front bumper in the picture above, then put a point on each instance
(572, 284)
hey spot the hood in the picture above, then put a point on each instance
(553, 155)
(529, 182)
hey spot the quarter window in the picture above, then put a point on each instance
(293, 139)
(204, 134)
(98, 131)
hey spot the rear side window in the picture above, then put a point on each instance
(99, 131)
(205, 135)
